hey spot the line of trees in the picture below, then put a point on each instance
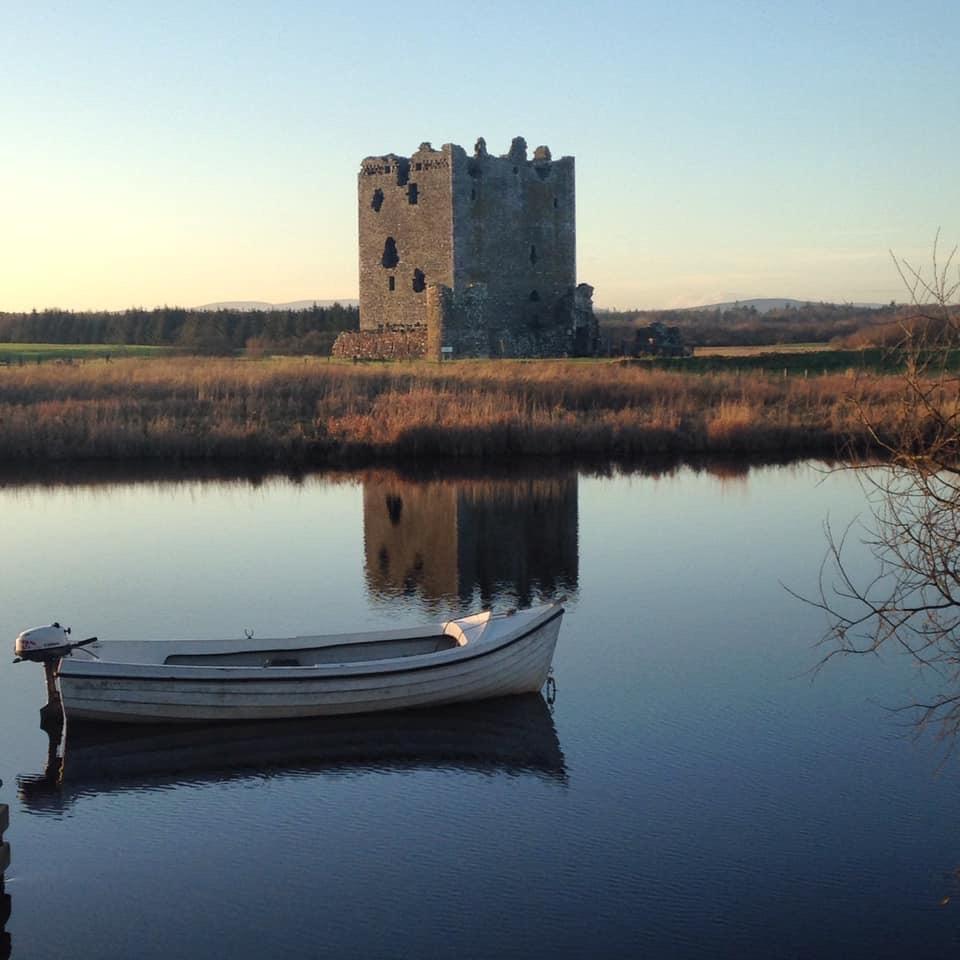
(199, 331)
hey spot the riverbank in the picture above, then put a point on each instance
(296, 411)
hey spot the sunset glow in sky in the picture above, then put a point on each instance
(189, 152)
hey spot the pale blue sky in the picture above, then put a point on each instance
(189, 152)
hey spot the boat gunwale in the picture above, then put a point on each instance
(98, 669)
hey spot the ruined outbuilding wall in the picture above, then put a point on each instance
(407, 344)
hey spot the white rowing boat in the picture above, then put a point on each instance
(162, 681)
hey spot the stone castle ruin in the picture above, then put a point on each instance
(469, 256)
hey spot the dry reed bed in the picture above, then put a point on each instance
(314, 411)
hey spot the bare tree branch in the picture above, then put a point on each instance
(912, 527)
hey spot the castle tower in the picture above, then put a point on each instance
(478, 250)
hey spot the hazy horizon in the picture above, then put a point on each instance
(724, 152)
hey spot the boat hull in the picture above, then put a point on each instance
(188, 696)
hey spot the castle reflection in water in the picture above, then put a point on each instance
(457, 540)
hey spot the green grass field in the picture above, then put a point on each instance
(795, 359)
(762, 350)
(40, 352)
(811, 360)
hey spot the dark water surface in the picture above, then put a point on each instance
(690, 793)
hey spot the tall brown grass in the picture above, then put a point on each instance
(298, 411)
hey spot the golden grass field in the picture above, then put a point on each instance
(316, 411)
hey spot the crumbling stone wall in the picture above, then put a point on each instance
(381, 344)
(578, 306)
(497, 233)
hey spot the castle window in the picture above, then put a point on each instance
(377, 201)
(534, 296)
(555, 203)
(533, 255)
(418, 166)
(413, 194)
(386, 169)
(390, 256)
(516, 169)
(403, 172)
(419, 281)
(473, 194)
(391, 283)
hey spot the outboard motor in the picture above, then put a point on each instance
(46, 644)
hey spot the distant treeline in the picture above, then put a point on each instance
(197, 331)
(746, 326)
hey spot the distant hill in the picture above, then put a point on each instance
(263, 305)
(764, 305)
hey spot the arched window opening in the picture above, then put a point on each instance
(419, 281)
(533, 255)
(413, 194)
(377, 201)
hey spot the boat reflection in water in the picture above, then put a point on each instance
(513, 736)
(459, 540)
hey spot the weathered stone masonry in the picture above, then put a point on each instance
(477, 251)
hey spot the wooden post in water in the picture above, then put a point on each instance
(4, 846)
(4, 896)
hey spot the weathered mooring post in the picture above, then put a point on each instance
(4, 896)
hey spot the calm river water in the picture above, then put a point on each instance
(691, 792)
